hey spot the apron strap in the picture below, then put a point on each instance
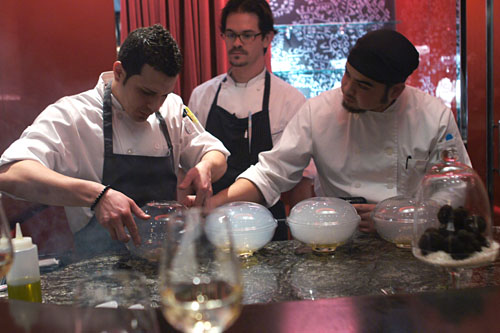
(267, 91)
(164, 129)
(216, 98)
(107, 121)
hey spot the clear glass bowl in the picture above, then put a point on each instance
(452, 225)
(153, 230)
(252, 226)
(393, 218)
(323, 223)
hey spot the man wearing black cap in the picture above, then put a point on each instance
(374, 137)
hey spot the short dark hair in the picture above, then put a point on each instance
(258, 7)
(154, 46)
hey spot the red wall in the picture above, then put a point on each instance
(476, 62)
(433, 24)
(49, 50)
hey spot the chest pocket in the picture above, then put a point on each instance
(412, 173)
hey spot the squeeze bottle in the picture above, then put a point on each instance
(23, 279)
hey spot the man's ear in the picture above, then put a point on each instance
(118, 71)
(267, 39)
(396, 90)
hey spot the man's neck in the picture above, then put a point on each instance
(245, 74)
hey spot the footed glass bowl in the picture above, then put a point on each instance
(252, 226)
(323, 223)
(393, 219)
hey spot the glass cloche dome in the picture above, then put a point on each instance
(452, 221)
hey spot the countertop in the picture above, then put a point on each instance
(287, 270)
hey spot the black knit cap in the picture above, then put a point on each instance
(385, 56)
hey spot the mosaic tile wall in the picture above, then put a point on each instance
(314, 38)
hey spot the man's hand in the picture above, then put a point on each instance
(364, 210)
(114, 212)
(198, 180)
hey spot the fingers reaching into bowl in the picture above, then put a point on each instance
(364, 211)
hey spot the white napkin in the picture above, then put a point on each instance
(48, 262)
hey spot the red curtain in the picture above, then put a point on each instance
(194, 24)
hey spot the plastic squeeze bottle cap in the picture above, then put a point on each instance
(21, 243)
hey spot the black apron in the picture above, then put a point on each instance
(235, 133)
(142, 178)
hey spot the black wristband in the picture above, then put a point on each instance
(96, 201)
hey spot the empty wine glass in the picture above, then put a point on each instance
(453, 218)
(6, 250)
(120, 297)
(200, 278)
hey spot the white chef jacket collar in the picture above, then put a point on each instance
(251, 82)
(104, 78)
(391, 109)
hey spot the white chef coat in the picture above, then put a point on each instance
(67, 137)
(244, 98)
(375, 155)
(241, 99)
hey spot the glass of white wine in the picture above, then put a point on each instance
(200, 278)
(6, 250)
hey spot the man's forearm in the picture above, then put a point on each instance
(218, 164)
(241, 190)
(34, 182)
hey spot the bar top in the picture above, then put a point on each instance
(460, 310)
(287, 270)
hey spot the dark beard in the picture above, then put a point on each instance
(238, 64)
(351, 109)
(383, 100)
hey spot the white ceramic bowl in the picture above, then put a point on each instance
(251, 225)
(323, 223)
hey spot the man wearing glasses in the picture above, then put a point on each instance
(248, 107)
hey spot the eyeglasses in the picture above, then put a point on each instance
(246, 37)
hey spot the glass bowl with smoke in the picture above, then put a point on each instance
(393, 218)
(323, 223)
(252, 226)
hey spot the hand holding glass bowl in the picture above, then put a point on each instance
(200, 281)
(152, 231)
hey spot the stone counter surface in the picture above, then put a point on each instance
(287, 270)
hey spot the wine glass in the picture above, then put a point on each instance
(6, 250)
(114, 301)
(200, 277)
(453, 218)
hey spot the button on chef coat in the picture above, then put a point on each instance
(67, 137)
(415, 126)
